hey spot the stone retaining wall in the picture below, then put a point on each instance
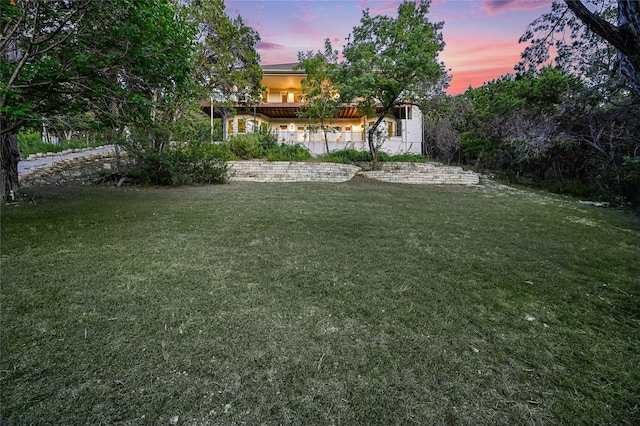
(85, 169)
(88, 169)
(284, 171)
(423, 173)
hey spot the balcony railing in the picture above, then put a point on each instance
(302, 136)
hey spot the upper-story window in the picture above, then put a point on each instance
(290, 97)
(406, 112)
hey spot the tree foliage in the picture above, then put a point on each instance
(597, 39)
(227, 63)
(133, 63)
(391, 60)
(62, 57)
(511, 120)
(319, 87)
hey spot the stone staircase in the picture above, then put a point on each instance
(411, 173)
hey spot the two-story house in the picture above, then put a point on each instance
(282, 99)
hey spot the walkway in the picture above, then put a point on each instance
(35, 162)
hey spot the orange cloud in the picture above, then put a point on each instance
(476, 61)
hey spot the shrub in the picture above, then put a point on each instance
(285, 152)
(474, 147)
(178, 165)
(267, 137)
(159, 161)
(349, 156)
(247, 146)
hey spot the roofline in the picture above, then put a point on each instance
(282, 68)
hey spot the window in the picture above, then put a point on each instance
(347, 128)
(288, 97)
(283, 127)
(230, 127)
(242, 125)
(390, 128)
(300, 129)
(406, 112)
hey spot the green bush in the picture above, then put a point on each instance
(178, 166)
(349, 156)
(408, 158)
(285, 152)
(267, 137)
(474, 147)
(247, 146)
(159, 161)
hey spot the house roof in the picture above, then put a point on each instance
(281, 67)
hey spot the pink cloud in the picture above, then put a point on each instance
(496, 7)
(383, 7)
(307, 14)
(265, 45)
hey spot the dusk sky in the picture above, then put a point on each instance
(481, 36)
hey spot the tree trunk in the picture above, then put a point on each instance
(9, 158)
(326, 141)
(372, 148)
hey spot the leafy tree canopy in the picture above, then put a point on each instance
(389, 60)
(322, 101)
(67, 56)
(597, 39)
(227, 64)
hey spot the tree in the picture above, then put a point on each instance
(513, 119)
(596, 47)
(388, 60)
(117, 59)
(227, 63)
(625, 36)
(322, 101)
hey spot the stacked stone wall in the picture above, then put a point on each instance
(85, 169)
(89, 169)
(284, 171)
(423, 173)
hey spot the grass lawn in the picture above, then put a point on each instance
(309, 303)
